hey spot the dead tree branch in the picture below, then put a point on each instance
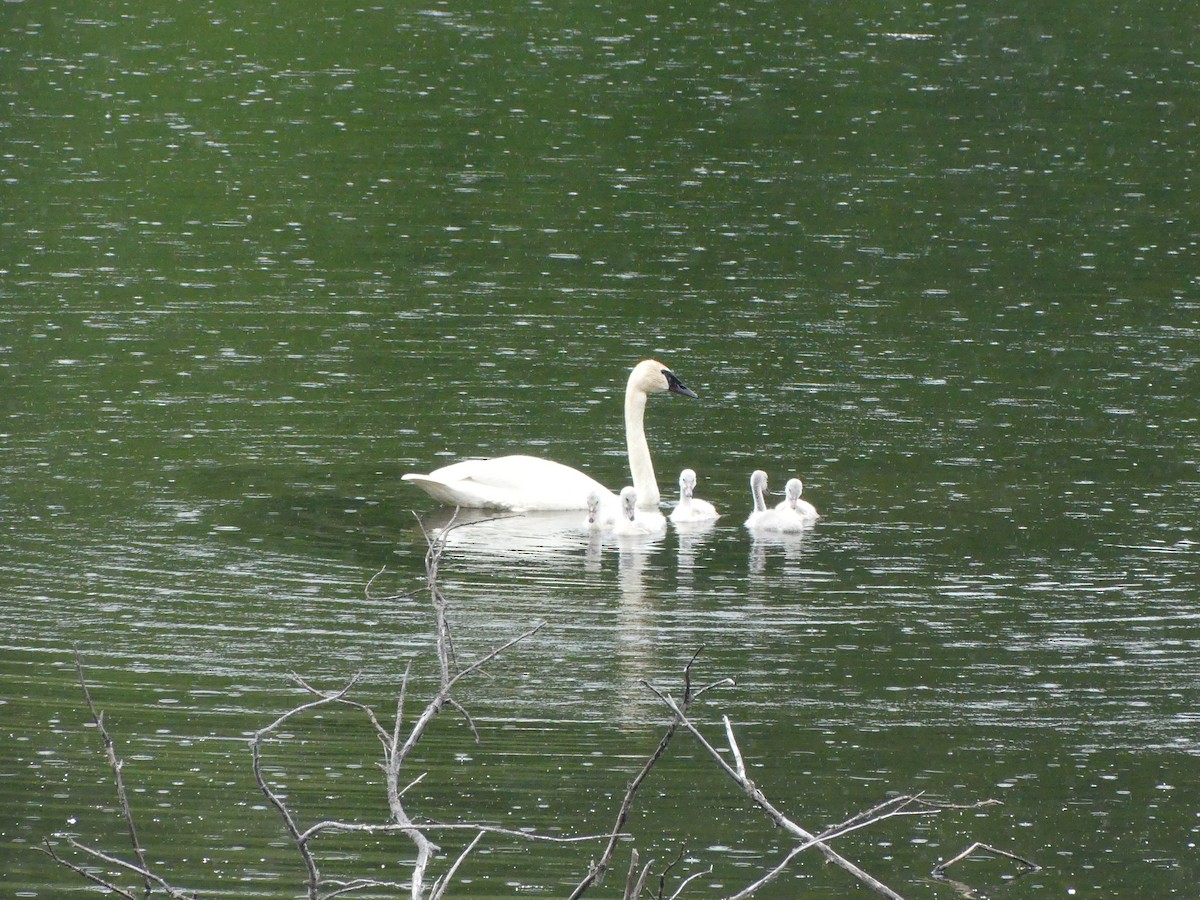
(939, 871)
(139, 868)
(116, 764)
(397, 746)
(598, 869)
(760, 800)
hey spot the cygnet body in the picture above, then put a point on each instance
(795, 503)
(633, 521)
(761, 518)
(691, 508)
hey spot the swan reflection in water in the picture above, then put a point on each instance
(561, 539)
(553, 550)
(546, 538)
(788, 545)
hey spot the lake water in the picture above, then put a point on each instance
(940, 262)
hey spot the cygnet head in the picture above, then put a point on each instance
(652, 377)
(593, 507)
(687, 484)
(794, 488)
(628, 502)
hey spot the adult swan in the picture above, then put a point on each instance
(526, 482)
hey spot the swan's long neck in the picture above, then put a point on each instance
(760, 504)
(640, 466)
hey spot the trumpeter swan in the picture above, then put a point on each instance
(763, 519)
(636, 521)
(795, 503)
(530, 483)
(600, 517)
(691, 508)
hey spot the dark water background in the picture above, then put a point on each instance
(939, 261)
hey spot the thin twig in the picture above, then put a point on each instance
(759, 799)
(940, 869)
(298, 837)
(597, 871)
(683, 884)
(339, 827)
(443, 883)
(49, 850)
(116, 764)
(146, 875)
(358, 884)
(402, 595)
(662, 879)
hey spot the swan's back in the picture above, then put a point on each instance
(509, 483)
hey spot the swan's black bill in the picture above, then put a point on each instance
(675, 386)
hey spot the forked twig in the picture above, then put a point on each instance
(139, 868)
(116, 764)
(598, 869)
(939, 871)
(757, 797)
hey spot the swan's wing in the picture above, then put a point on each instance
(509, 482)
(459, 493)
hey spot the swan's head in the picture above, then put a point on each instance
(628, 502)
(758, 481)
(793, 489)
(593, 507)
(652, 377)
(687, 484)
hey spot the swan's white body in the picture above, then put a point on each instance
(529, 483)
(794, 502)
(690, 508)
(763, 519)
(634, 521)
(509, 483)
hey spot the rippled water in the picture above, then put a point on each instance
(940, 263)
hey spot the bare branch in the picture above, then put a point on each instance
(759, 799)
(683, 884)
(598, 870)
(402, 595)
(887, 810)
(116, 764)
(443, 883)
(939, 871)
(358, 884)
(337, 826)
(733, 746)
(299, 838)
(49, 850)
(633, 884)
(141, 871)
